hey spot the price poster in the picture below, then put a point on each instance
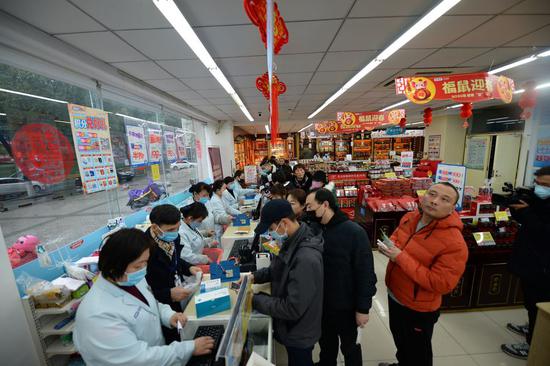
(180, 145)
(92, 144)
(170, 146)
(434, 147)
(407, 158)
(137, 145)
(155, 146)
(454, 174)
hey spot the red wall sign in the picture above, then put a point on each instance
(350, 122)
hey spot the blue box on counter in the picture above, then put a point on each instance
(241, 220)
(212, 302)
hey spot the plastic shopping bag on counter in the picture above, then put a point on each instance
(44, 293)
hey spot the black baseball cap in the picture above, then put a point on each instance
(273, 211)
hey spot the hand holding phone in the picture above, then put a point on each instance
(387, 241)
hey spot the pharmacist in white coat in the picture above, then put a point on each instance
(119, 320)
(222, 214)
(238, 188)
(192, 240)
(229, 197)
(201, 193)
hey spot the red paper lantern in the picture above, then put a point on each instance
(403, 123)
(256, 11)
(528, 100)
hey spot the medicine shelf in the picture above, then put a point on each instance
(56, 311)
(49, 330)
(58, 348)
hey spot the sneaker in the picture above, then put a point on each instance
(518, 350)
(521, 330)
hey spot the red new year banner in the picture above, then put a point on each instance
(461, 88)
(350, 122)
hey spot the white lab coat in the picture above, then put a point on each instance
(230, 204)
(193, 243)
(113, 327)
(240, 191)
(221, 216)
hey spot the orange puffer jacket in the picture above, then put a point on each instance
(430, 264)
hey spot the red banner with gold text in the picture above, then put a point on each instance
(461, 88)
(350, 122)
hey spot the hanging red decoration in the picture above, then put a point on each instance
(278, 88)
(465, 113)
(427, 117)
(403, 123)
(256, 11)
(528, 100)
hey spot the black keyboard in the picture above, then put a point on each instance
(216, 332)
(237, 244)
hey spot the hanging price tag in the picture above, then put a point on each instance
(390, 175)
(501, 216)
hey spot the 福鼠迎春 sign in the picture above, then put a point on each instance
(463, 88)
(350, 122)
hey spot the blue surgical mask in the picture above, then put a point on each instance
(231, 186)
(169, 236)
(194, 225)
(204, 200)
(134, 278)
(280, 238)
(542, 192)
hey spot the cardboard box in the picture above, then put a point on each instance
(212, 302)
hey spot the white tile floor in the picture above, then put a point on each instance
(465, 339)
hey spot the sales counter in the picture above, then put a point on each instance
(233, 233)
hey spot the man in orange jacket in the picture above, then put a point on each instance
(427, 258)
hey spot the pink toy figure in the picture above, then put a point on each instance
(23, 250)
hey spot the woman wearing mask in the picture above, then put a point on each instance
(297, 199)
(320, 180)
(201, 193)
(119, 321)
(195, 249)
(239, 189)
(229, 197)
(165, 269)
(221, 213)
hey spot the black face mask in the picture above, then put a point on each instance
(310, 216)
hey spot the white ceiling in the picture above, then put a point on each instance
(329, 41)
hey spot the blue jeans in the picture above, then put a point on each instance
(299, 356)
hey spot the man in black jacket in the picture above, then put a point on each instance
(296, 276)
(350, 281)
(530, 260)
(165, 268)
(301, 178)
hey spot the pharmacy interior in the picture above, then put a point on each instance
(110, 110)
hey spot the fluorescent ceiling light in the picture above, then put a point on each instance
(542, 86)
(513, 64)
(434, 14)
(59, 121)
(267, 129)
(395, 105)
(33, 96)
(519, 91)
(3, 114)
(414, 123)
(454, 106)
(305, 128)
(172, 13)
(544, 54)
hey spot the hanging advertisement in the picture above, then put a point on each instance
(137, 145)
(351, 122)
(434, 147)
(407, 159)
(461, 88)
(170, 146)
(250, 174)
(92, 144)
(542, 154)
(454, 174)
(198, 148)
(155, 146)
(180, 145)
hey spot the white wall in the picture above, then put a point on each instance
(16, 345)
(452, 137)
(221, 136)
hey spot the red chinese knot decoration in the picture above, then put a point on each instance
(528, 100)
(427, 117)
(465, 113)
(256, 11)
(277, 88)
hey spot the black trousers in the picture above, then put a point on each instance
(339, 326)
(412, 333)
(534, 291)
(299, 356)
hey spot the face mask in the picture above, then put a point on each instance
(231, 186)
(316, 185)
(134, 278)
(204, 200)
(169, 236)
(194, 225)
(280, 238)
(310, 216)
(542, 192)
